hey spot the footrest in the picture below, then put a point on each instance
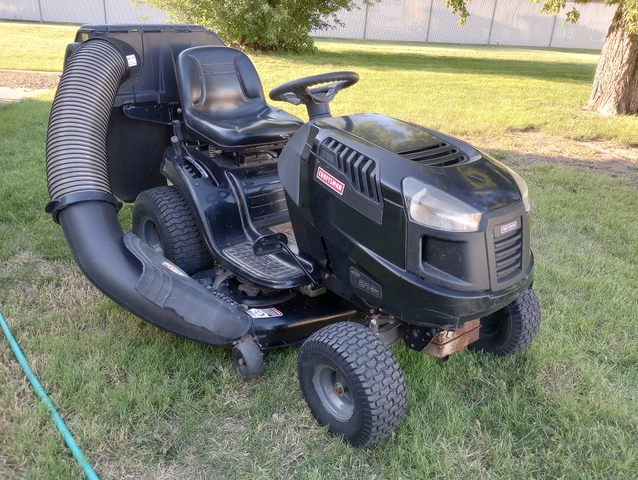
(268, 266)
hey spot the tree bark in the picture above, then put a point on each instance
(615, 89)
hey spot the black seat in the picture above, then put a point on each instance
(223, 101)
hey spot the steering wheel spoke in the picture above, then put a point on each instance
(316, 99)
(291, 98)
(325, 93)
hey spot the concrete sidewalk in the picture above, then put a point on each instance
(8, 94)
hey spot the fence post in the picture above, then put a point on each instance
(40, 10)
(104, 5)
(427, 34)
(489, 35)
(551, 37)
(365, 22)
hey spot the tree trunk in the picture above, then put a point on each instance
(615, 89)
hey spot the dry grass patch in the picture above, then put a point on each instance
(600, 156)
(47, 286)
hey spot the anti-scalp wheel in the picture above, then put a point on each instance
(248, 359)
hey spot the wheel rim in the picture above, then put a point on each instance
(239, 362)
(151, 236)
(492, 324)
(334, 393)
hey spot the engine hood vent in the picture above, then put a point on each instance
(360, 170)
(410, 141)
(439, 155)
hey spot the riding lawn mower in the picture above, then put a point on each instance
(254, 230)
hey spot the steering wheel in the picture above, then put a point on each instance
(298, 92)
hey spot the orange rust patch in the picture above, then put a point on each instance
(447, 343)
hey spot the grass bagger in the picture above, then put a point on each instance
(253, 230)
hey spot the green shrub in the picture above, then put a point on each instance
(265, 25)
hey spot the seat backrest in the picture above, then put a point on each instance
(218, 82)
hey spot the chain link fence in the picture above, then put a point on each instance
(85, 11)
(492, 22)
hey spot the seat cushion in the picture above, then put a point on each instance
(223, 101)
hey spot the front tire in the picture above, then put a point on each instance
(512, 328)
(352, 383)
(163, 220)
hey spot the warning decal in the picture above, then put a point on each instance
(331, 181)
(264, 312)
(131, 60)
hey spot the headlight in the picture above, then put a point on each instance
(522, 186)
(434, 208)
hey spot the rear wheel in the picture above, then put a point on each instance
(352, 383)
(512, 328)
(162, 219)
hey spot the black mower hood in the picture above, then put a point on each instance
(431, 157)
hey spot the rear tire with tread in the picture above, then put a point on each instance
(352, 383)
(163, 220)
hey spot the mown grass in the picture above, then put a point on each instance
(459, 90)
(146, 404)
(34, 46)
(465, 90)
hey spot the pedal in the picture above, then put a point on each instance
(286, 228)
(267, 266)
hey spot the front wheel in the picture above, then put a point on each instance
(352, 383)
(512, 328)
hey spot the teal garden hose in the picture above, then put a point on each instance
(68, 438)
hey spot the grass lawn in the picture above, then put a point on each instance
(143, 403)
(34, 46)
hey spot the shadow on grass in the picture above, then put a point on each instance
(563, 71)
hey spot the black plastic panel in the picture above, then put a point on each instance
(139, 130)
(134, 160)
(418, 274)
(153, 78)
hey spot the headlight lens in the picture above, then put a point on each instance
(522, 186)
(434, 208)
